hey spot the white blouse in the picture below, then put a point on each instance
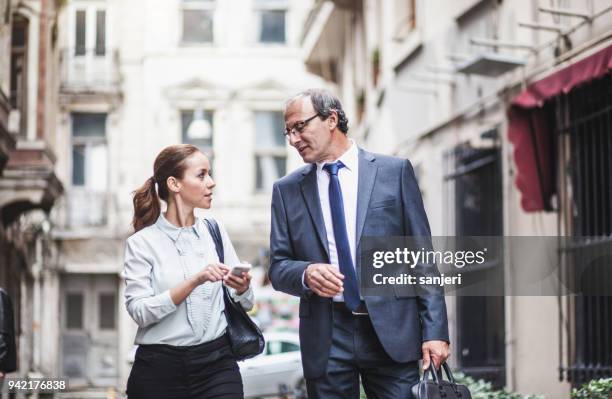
(158, 258)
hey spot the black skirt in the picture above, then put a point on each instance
(204, 371)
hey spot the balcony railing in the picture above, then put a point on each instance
(87, 208)
(90, 72)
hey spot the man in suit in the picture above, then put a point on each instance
(319, 215)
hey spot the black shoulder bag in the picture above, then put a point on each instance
(246, 339)
(439, 388)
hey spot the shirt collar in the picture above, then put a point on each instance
(173, 231)
(349, 159)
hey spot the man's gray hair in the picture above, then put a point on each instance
(324, 102)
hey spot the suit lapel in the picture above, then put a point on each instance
(310, 191)
(367, 176)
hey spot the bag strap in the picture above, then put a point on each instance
(438, 376)
(449, 375)
(215, 233)
(431, 370)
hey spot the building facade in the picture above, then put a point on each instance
(29, 186)
(450, 85)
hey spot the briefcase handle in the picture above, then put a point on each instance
(449, 375)
(434, 373)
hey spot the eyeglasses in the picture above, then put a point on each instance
(298, 127)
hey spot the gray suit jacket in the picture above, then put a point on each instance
(389, 204)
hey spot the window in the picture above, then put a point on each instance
(74, 311)
(197, 129)
(89, 151)
(78, 165)
(100, 32)
(405, 18)
(86, 19)
(582, 123)
(106, 311)
(474, 181)
(89, 336)
(270, 149)
(278, 347)
(271, 16)
(80, 47)
(88, 196)
(289, 347)
(198, 21)
(18, 78)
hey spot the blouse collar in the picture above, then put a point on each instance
(173, 231)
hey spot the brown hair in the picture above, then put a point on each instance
(169, 162)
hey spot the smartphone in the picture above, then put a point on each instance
(241, 268)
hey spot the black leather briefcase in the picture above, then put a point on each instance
(437, 387)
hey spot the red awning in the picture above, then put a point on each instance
(531, 135)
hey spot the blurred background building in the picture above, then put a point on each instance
(29, 185)
(92, 90)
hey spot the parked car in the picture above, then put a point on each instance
(277, 371)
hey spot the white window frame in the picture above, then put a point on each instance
(266, 151)
(199, 5)
(95, 188)
(89, 142)
(269, 5)
(209, 149)
(91, 9)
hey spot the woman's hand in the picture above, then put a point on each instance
(213, 272)
(239, 283)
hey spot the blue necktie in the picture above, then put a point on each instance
(351, 289)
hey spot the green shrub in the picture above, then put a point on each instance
(594, 389)
(481, 389)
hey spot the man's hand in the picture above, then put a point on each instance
(1, 374)
(438, 351)
(324, 280)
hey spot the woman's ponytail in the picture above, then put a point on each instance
(169, 162)
(146, 205)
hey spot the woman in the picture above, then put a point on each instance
(173, 286)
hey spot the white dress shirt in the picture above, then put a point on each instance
(349, 178)
(158, 258)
